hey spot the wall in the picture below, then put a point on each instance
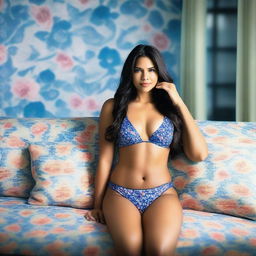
(63, 58)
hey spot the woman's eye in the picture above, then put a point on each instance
(152, 70)
(136, 70)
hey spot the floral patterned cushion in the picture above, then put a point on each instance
(225, 181)
(63, 175)
(17, 134)
(15, 173)
(55, 230)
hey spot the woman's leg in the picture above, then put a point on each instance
(162, 222)
(124, 223)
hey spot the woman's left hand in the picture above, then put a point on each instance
(170, 88)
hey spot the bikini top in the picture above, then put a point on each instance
(162, 137)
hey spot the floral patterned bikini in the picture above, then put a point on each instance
(162, 137)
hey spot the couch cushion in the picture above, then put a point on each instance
(49, 230)
(54, 230)
(225, 181)
(15, 173)
(206, 234)
(63, 175)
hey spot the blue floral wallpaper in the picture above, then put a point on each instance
(63, 58)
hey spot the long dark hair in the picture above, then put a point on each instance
(126, 92)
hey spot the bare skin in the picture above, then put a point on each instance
(143, 165)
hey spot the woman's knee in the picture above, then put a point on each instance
(160, 249)
(131, 246)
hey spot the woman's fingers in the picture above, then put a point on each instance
(165, 85)
(101, 218)
(170, 88)
(89, 216)
(95, 216)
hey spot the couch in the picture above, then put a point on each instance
(46, 186)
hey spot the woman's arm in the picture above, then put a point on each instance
(194, 144)
(106, 153)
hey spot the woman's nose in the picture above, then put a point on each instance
(144, 75)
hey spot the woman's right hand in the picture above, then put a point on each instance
(95, 215)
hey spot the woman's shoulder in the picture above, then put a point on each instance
(109, 102)
(107, 106)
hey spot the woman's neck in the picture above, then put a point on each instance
(144, 98)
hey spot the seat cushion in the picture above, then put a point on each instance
(55, 230)
(49, 230)
(205, 233)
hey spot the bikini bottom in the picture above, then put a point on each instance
(141, 198)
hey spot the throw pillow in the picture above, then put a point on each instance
(63, 174)
(15, 173)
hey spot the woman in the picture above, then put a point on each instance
(147, 120)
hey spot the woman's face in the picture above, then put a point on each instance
(145, 75)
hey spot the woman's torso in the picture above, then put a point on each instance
(144, 164)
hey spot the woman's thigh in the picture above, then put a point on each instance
(162, 223)
(124, 223)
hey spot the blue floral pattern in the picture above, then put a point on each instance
(63, 58)
(141, 198)
(161, 137)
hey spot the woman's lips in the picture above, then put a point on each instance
(145, 84)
